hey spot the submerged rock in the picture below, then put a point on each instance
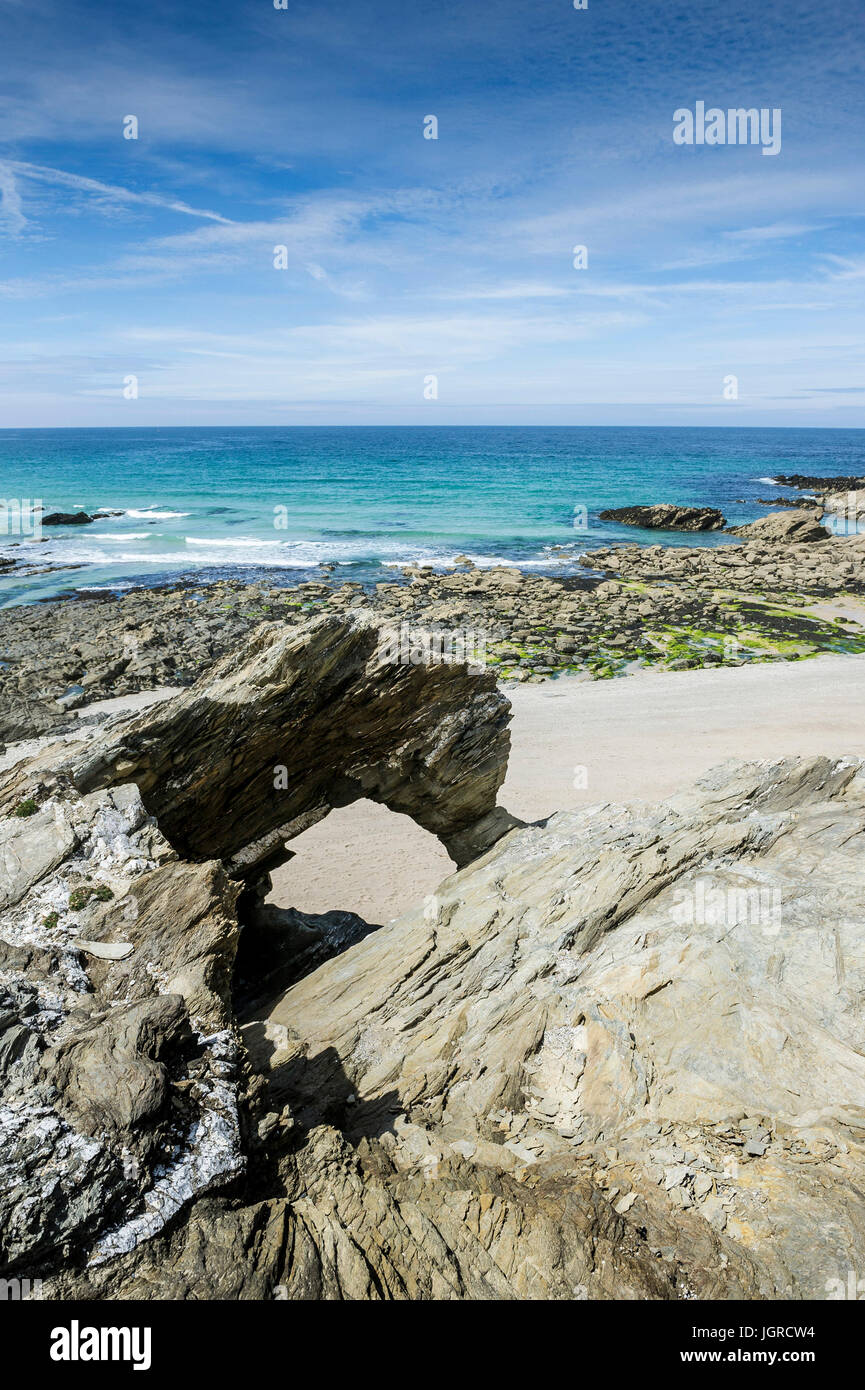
(67, 519)
(807, 502)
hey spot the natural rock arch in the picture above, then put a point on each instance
(311, 719)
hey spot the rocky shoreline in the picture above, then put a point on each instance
(537, 1084)
(783, 589)
(617, 1055)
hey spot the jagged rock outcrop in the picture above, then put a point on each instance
(783, 528)
(809, 480)
(619, 1055)
(849, 506)
(667, 516)
(118, 1051)
(307, 720)
(667, 998)
(118, 1098)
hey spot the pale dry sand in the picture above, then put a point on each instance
(576, 743)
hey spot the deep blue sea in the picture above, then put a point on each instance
(281, 501)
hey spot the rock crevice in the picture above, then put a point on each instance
(617, 1054)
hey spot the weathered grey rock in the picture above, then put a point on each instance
(120, 1067)
(619, 1055)
(110, 1069)
(305, 721)
(849, 505)
(574, 1073)
(784, 528)
(686, 965)
(30, 847)
(109, 1075)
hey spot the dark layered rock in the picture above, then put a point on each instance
(120, 1060)
(305, 721)
(807, 502)
(67, 519)
(841, 483)
(666, 516)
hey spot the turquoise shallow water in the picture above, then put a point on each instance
(212, 502)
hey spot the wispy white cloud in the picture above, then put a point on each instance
(847, 267)
(105, 192)
(11, 211)
(404, 256)
(519, 289)
(776, 231)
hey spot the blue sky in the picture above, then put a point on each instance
(410, 257)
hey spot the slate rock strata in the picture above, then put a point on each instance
(121, 1057)
(784, 528)
(618, 1055)
(666, 516)
(332, 719)
(839, 483)
(121, 1093)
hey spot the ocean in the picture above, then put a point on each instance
(278, 502)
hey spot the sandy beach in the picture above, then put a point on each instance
(574, 743)
(432, 673)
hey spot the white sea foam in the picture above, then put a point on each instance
(129, 549)
(481, 562)
(217, 542)
(107, 588)
(176, 559)
(773, 482)
(150, 514)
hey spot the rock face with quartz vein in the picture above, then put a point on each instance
(119, 1055)
(620, 1054)
(109, 1075)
